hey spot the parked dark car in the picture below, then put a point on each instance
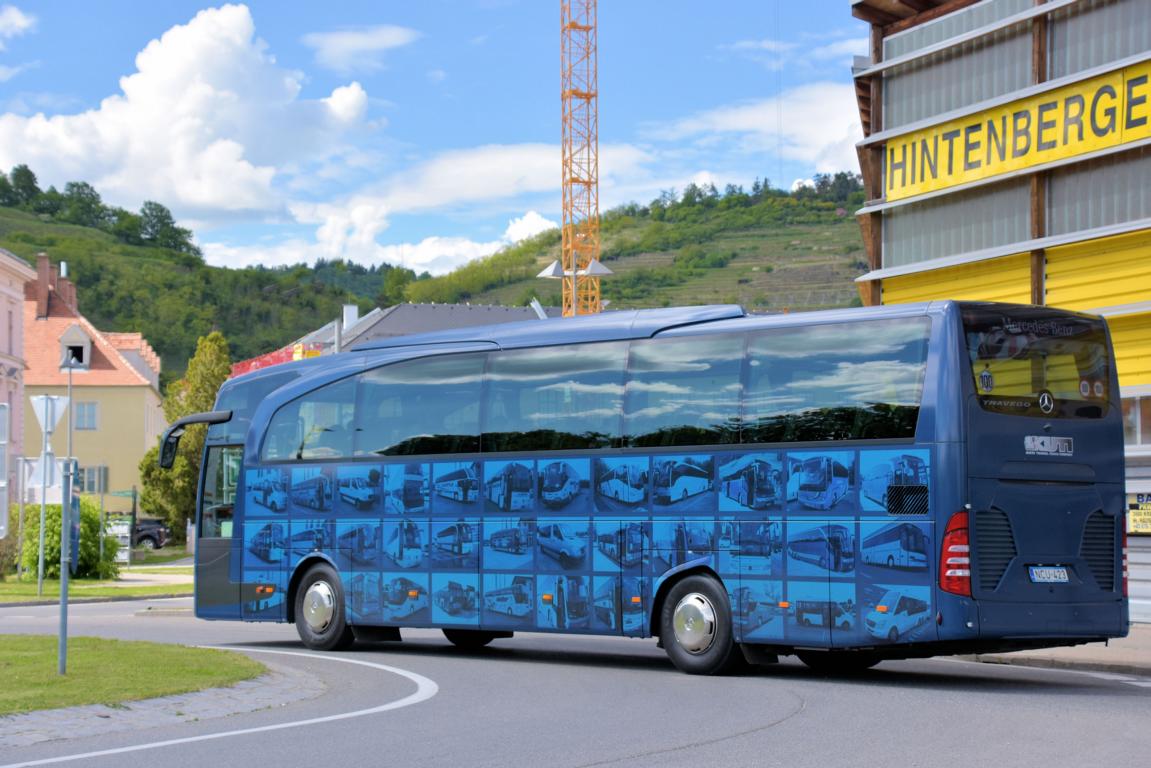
(150, 533)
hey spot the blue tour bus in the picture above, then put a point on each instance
(1008, 414)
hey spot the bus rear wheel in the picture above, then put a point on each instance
(696, 627)
(838, 662)
(469, 639)
(320, 618)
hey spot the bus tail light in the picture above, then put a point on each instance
(955, 561)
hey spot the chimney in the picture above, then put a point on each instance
(43, 275)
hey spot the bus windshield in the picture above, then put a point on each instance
(1030, 361)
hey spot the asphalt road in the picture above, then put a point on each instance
(541, 700)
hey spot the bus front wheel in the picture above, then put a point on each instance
(696, 627)
(320, 618)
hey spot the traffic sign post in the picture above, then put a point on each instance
(69, 540)
(48, 410)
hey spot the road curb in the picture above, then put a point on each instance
(75, 600)
(1119, 668)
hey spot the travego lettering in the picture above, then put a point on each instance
(1105, 111)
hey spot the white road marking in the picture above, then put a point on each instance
(426, 688)
(1140, 683)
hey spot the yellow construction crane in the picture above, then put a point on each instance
(579, 265)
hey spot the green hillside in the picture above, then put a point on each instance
(765, 249)
(174, 298)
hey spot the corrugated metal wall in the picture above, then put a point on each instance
(1101, 273)
(1131, 336)
(997, 214)
(1005, 279)
(965, 75)
(946, 27)
(1092, 33)
(1110, 190)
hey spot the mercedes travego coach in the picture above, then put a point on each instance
(1009, 414)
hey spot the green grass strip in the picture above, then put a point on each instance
(25, 591)
(109, 671)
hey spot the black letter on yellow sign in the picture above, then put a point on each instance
(1076, 118)
(1020, 129)
(1134, 101)
(1045, 125)
(1103, 129)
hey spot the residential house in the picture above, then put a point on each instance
(116, 405)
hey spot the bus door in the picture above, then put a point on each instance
(1045, 473)
(219, 551)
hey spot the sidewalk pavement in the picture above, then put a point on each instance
(1130, 655)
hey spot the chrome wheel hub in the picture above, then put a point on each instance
(694, 623)
(319, 606)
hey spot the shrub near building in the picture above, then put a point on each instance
(91, 566)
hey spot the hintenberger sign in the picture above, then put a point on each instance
(1102, 112)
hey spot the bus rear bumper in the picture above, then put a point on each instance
(1036, 620)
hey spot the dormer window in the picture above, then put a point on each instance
(75, 349)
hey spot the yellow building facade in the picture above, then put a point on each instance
(1007, 157)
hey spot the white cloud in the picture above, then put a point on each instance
(816, 124)
(770, 46)
(7, 73)
(13, 23)
(528, 225)
(358, 50)
(436, 75)
(840, 49)
(208, 124)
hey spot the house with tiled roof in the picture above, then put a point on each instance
(116, 403)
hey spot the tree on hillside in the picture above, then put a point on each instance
(8, 197)
(24, 184)
(83, 206)
(171, 494)
(158, 227)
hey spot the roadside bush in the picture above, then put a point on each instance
(90, 566)
(9, 544)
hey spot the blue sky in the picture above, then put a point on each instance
(418, 133)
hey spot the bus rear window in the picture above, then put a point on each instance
(1031, 361)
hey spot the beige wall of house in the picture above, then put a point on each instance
(114, 427)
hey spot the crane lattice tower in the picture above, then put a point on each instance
(581, 244)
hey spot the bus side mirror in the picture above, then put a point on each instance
(169, 445)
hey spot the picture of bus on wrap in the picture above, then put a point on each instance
(621, 484)
(565, 487)
(620, 544)
(563, 544)
(683, 484)
(455, 598)
(816, 609)
(509, 486)
(264, 592)
(509, 543)
(618, 604)
(267, 491)
(455, 544)
(680, 541)
(406, 489)
(562, 602)
(752, 482)
(895, 482)
(308, 536)
(757, 611)
(361, 542)
(456, 488)
(750, 547)
(509, 600)
(265, 543)
(405, 543)
(895, 613)
(894, 547)
(821, 549)
(824, 481)
(312, 489)
(358, 488)
(404, 598)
